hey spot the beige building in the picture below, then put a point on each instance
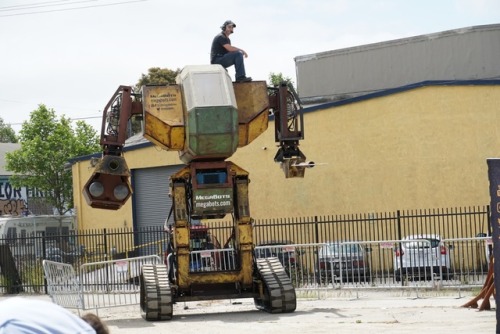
(418, 146)
(409, 124)
(469, 53)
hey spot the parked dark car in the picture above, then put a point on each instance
(342, 261)
(285, 251)
(56, 254)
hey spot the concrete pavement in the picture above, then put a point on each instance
(344, 311)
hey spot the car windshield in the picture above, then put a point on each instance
(335, 249)
(421, 243)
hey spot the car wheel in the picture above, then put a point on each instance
(322, 279)
(447, 275)
(366, 279)
(295, 274)
(397, 275)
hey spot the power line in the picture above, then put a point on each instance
(87, 117)
(31, 103)
(41, 5)
(32, 4)
(73, 8)
(73, 119)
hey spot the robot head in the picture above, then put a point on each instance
(225, 24)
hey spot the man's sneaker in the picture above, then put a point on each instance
(244, 79)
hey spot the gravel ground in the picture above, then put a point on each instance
(338, 312)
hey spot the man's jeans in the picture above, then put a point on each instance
(233, 58)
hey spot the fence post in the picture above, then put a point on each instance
(398, 216)
(105, 236)
(316, 229)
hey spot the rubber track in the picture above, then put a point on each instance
(279, 292)
(156, 296)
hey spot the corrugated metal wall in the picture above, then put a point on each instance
(151, 198)
(460, 54)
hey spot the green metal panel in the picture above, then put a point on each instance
(212, 132)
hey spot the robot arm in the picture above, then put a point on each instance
(109, 186)
(116, 115)
(288, 130)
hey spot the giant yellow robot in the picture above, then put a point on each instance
(205, 117)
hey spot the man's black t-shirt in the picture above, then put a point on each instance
(218, 46)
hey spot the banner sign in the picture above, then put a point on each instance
(494, 178)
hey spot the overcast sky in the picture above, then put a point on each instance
(72, 55)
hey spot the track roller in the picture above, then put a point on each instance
(156, 296)
(278, 293)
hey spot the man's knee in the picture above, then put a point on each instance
(239, 55)
(238, 59)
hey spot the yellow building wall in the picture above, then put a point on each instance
(90, 218)
(418, 149)
(422, 148)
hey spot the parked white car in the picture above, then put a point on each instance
(421, 256)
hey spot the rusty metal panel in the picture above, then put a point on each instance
(251, 98)
(111, 172)
(253, 110)
(164, 116)
(251, 130)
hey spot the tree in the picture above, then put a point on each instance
(157, 76)
(7, 134)
(277, 78)
(46, 146)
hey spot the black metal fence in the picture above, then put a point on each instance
(448, 223)
(21, 256)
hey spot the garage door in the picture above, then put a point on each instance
(152, 205)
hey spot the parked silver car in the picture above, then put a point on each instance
(421, 256)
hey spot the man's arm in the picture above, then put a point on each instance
(231, 48)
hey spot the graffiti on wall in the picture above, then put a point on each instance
(13, 201)
(15, 207)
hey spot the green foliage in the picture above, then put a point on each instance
(157, 76)
(7, 283)
(277, 78)
(46, 146)
(32, 275)
(7, 134)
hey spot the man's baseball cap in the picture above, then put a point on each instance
(228, 22)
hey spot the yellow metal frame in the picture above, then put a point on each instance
(243, 234)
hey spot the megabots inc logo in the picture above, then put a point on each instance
(212, 201)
